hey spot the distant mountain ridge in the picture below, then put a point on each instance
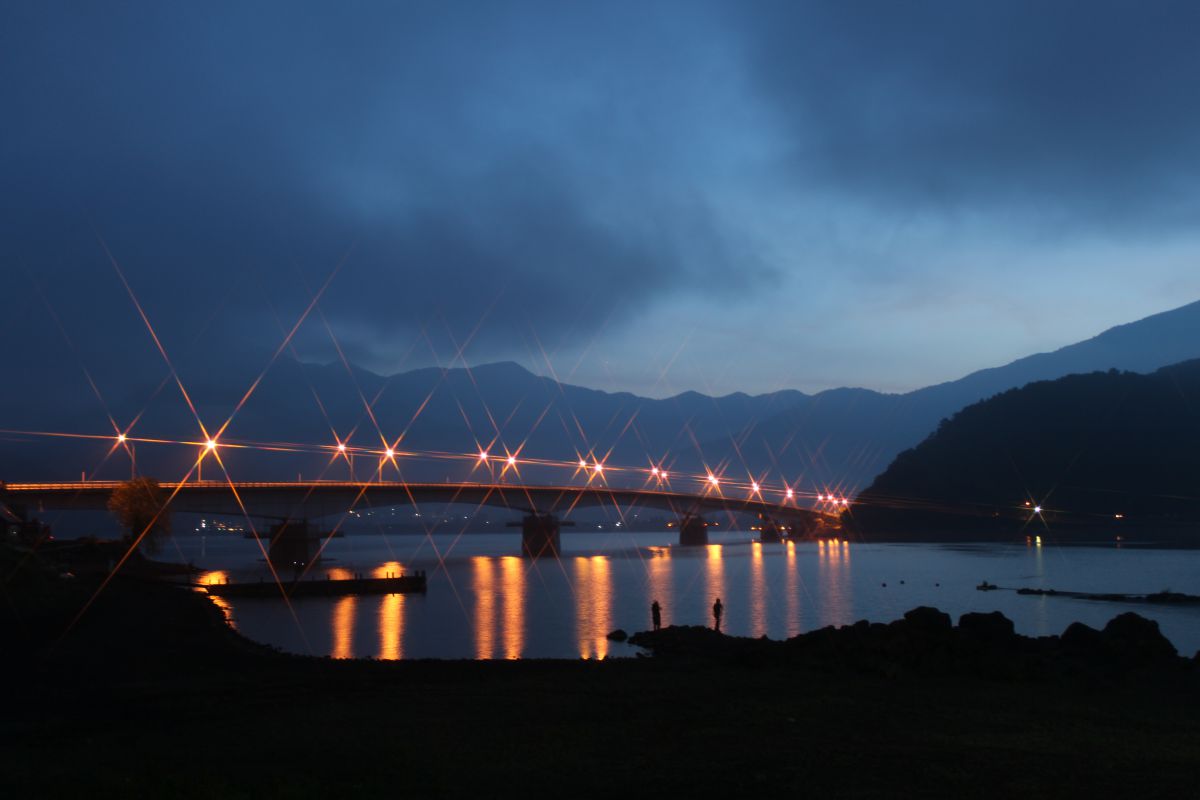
(871, 428)
(840, 438)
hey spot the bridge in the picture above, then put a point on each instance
(542, 507)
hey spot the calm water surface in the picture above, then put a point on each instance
(484, 601)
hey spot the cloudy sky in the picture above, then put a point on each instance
(651, 196)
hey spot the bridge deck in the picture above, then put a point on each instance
(323, 498)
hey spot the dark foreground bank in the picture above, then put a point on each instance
(152, 695)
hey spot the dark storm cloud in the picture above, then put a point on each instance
(231, 159)
(568, 174)
(1078, 110)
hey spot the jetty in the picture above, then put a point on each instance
(1160, 598)
(400, 583)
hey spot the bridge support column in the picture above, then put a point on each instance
(540, 535)
(293, 544)
(769, 530)
(693, 529)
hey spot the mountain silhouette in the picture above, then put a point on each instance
(841, 438)
(1113, 452)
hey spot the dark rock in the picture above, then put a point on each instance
(1082, 638)
(617, 636)
(928, 619)
(993, 628)
(1136, 637)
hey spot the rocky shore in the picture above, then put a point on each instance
(925, 641)
(150, 694)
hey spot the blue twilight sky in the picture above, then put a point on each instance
(651, 196)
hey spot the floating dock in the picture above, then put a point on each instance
(395, 584)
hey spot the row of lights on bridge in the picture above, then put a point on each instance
(596, 467)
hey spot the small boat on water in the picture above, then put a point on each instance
(987, 587)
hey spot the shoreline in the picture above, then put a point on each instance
(153, 693)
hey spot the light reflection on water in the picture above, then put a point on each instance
(758, 592)
(593, 605)
(512, 577)
(486, 602)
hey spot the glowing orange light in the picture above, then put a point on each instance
(512, 460)
(390, 453)
(210, 444)
(483, 455)
(790, 494)
(713, 479)
(341, 447)
(654, 471)
(582, 464)
(663, 476)
(121, 438)
(754, 487)
(599, 467)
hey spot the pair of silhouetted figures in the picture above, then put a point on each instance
(656, 614)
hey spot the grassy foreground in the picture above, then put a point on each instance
(150, 695)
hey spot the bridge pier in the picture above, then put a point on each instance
(292, 544)
(769, 530)
(693, 530)
(540, 535)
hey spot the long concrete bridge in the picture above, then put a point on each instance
(542, 506)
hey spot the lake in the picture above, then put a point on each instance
(485, 601)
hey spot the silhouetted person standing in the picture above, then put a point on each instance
(656, 615)
(717, 609)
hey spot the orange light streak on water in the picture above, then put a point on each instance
(214, 577)
(795, 624)
(391, 627)
(485, 607)
(343, 626)
(758, 592)
(389, 569)
(226, 609)
(593, 605)
(512, 580)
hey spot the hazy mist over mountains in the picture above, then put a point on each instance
(840, 438)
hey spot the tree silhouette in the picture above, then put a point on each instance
(140, 507)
